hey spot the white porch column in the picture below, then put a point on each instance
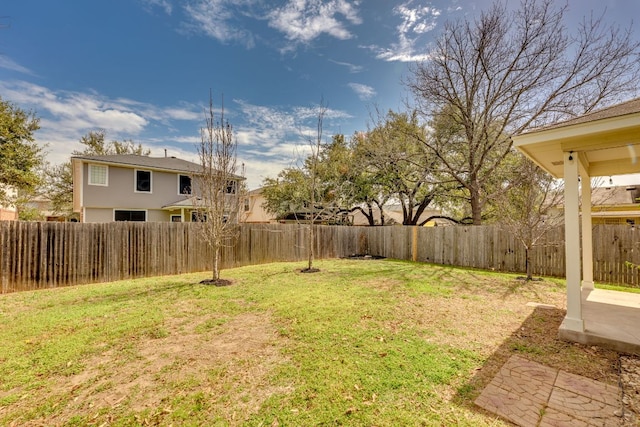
(573, 320)
(587, 239)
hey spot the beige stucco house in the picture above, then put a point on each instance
(611, 205)
(8, 212)
(128, 187)
(254, 212)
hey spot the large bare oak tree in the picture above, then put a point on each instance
(494, 76)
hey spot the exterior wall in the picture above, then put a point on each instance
(120, 192)
(256, 213)
(8, 214)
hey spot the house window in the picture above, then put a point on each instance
(176, 218)
(246, 205)
(197, 216)
(231, 187)
(143, 181)
(98, 175)
(122, 215)
(184, 184)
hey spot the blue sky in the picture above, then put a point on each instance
(142, 69)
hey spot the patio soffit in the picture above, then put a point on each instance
(607, 142)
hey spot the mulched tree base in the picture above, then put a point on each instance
(309, 270)
(533, 279)
(364, 256)
(218, 282)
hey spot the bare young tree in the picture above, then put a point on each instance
(219, 189)
(503, 72)
(527, 207)
(315, 147)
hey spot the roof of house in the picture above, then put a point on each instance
(607, 142)
(172, 164)
(185, 202)
(166, 163)
(628, 107)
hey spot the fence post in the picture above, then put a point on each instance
(414, 243)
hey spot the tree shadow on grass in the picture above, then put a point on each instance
(125, 294)
(536, 339)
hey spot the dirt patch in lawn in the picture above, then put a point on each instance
(183, 361)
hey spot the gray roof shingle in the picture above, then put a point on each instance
(172, 164)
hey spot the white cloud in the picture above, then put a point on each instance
(75, 110)
(415, 21)
(9, 64)
(272, 139)
(182, 114)
(165, 5)
(364, 92)
(304, 20)
(351, 67)
(65, 116)
(220, 19)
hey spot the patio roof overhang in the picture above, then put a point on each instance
(602, 143)
(605, 147)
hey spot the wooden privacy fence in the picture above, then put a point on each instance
(37, 255)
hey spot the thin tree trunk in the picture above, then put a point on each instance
(216, 266)
(311, 244)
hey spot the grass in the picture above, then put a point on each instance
(360, 343)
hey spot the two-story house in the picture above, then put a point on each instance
(128, 187)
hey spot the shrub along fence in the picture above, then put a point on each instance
(37, 255)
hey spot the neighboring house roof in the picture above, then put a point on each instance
(171, 164)
(612, 196)
(613, 201)
(617, 195)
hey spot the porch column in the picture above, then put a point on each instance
(573, 320)
(587, 239)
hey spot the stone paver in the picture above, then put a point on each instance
(533, 395)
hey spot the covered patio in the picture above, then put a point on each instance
(603, 143)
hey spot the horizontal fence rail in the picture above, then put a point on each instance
(38, 255)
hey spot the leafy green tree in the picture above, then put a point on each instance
(287, 193)
(388, 162)
(353, 184)
(503, 72)
(397, 159)
(20, 155)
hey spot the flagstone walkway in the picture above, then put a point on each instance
(533, 395)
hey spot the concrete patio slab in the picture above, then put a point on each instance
(533, 395)
(611, 320)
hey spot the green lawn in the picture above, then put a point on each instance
(360, 343)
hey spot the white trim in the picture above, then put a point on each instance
(106, 178)
(146, 213)
(135, 181)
